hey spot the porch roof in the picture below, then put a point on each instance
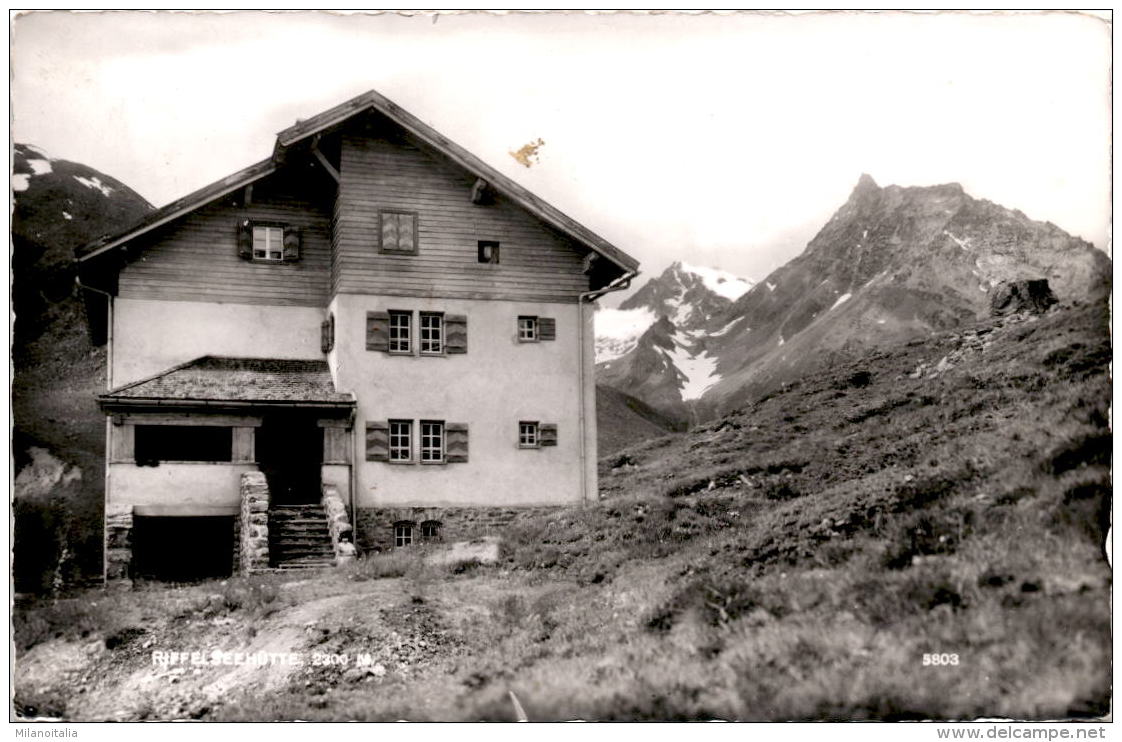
(216, 380)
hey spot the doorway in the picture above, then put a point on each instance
(290, 454)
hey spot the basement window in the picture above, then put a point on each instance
(403, 533)
(430, 530)
(208, 443)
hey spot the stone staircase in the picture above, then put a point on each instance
(299, 538)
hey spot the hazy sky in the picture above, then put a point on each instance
(725, 140)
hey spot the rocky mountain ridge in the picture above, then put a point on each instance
(892, 264)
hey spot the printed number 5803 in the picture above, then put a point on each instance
(939, 659)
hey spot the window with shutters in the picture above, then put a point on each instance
(403, 533)
(268, 244)
(528, 434)
(432, 442)
(432, 333)
(401, 440)
(528, 329)
(397, 231)
(401, 332)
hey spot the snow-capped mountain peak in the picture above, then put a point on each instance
(718, 281)
(692, 298)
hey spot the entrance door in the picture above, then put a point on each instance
(290, 453)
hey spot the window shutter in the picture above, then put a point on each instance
(456, 445)
(547, 328)
(378, 331)
(389, 231)
(456, 333)
(245, 239)
(547, 434)
(291, 244)
(407, 232)
(327, 335)
(378, 441)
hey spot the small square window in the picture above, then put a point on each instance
(528, 329)
(432, 333)
(528, 435)
(401, 440)
(488, 251)
(401, 332)
(402, 534)
(268, 244)
(432, 442)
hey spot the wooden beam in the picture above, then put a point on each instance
(323, 160)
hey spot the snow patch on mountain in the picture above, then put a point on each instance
(720, 282)
(617, 330)
(841, 300)
(21, 181)
(698, 370)
(724, 330)
(95, 183)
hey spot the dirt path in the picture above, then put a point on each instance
(128, 684)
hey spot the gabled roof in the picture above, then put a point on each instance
(375, 101)
(216, 379)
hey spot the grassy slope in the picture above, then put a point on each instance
(795, 560)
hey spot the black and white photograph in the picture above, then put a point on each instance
(547, 366)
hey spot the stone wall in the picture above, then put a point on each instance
(375, 525)
(342, 535)
(254, 526)
(118, 542)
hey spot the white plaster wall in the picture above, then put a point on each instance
(150, 336)
(498, 382)
(176, 485)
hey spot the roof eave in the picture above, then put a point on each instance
(105, 401)
(182, 207)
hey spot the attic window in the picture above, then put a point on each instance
(488, 251)
(268, 244)
(397, 231)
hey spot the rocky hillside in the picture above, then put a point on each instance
(655, 346)
(59, 433)
(794, 560)
(892, 264)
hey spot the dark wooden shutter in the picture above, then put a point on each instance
(378, 331)
(456, 333)
(291, 244)
(456, 445)
(327, 334)
(547, 328)
(378, 441)
(547, 434)
(245, 239)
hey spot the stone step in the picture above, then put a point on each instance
(302, 544)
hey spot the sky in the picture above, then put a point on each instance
(724, 140)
